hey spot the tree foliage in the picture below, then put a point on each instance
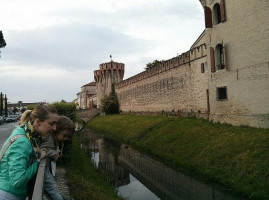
(153, 64)
(32, 106)
(66, 109)
(110, 103)
(2, 40)
(63, 108)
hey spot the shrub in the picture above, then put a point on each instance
(110, 103)
(32, 106)
(63, 108)
(66, 109)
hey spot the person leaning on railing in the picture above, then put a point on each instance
(19, 154)
(64, 129)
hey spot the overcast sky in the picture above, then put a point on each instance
(53, 46)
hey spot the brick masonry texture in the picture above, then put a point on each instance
(169, 86)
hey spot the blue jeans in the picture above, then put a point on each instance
(49, 184)
(7, 196)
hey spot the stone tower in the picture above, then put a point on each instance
(108, 74)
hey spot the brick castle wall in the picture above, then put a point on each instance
(176, 84)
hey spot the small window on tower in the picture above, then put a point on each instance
(222, 93)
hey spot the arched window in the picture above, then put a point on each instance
(208, 17)
(216, 14)
(219, 57)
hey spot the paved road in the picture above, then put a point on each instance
(6, 130)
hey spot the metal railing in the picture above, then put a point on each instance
(38, 189)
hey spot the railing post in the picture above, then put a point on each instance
(38, 189)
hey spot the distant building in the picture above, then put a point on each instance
(87, 97)
(20, 106)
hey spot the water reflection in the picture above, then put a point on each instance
(139, 177)
(135, 190)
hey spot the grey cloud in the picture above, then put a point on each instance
(36, 89)
(74, 46)
(183, 10)
(175, 8)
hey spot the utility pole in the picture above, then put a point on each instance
(2, 45)
(1, 106)
(5, 105)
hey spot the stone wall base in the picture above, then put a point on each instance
(257, 121)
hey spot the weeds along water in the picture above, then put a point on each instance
(84, 180)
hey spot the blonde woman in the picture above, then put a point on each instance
(19, 154)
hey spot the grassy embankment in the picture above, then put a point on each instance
(84, 181)
(237, 157)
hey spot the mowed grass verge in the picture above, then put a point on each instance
(237, 157)
(84, 181)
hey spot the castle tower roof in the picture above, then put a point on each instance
(109, 66)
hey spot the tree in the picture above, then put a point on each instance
(110, 103)
(153, 64)
(66, 109)
(2, 40)
(31, 106)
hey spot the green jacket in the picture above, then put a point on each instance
(15, 171)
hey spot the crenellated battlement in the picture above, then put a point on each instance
(112, 66)
(184, 58)
(107, 69)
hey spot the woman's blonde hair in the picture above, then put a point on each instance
(64, 123)
(40, 111)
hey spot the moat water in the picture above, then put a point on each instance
(139, 177)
